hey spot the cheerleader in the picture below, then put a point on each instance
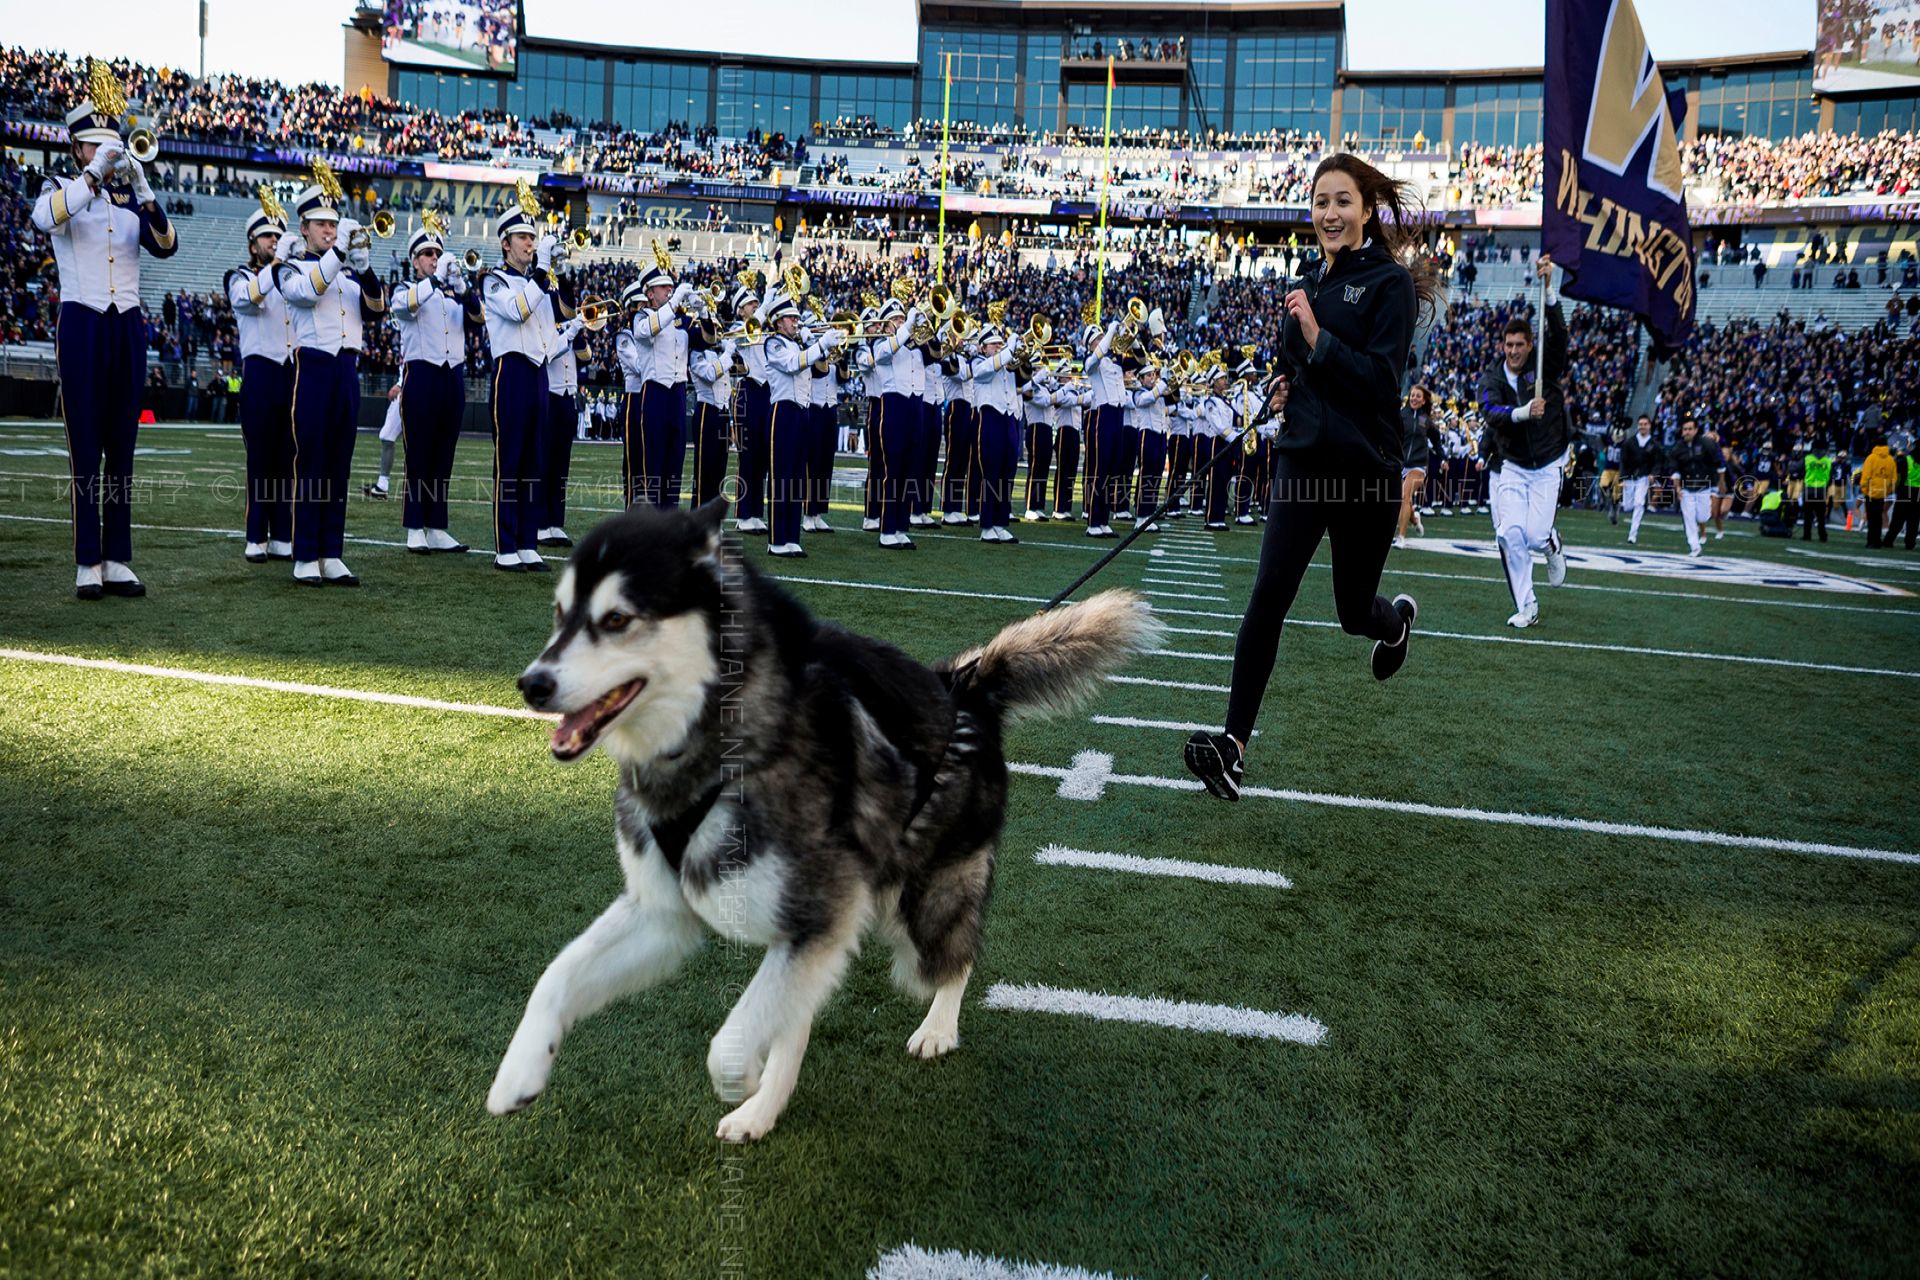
(100, 220)
(1343, 351)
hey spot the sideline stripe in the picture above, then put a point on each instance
(1170, 684)
(1185, 726)
(1590, 826)
(1087, 781)
(911, 1262)
(277, 686)
(1068, 546)
(1186, 1015)
(1183, 595)
(1056, 856)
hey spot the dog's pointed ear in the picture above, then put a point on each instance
(710, 516)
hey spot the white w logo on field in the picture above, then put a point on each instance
(1629, 102)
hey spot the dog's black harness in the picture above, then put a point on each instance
(673, 834)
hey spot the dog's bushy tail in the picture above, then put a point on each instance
(1054, 662)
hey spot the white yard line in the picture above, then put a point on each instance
(1182, 595)
(1179, 868)
(1085, 780)
(1170, 684)
(1131, 722)
(276, 686)
(911, 1262)
(1185, 1015)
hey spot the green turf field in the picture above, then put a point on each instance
(262, 949)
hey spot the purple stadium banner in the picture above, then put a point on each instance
(1615, 212)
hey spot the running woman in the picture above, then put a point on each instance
(1343, 355)
(1417, 420)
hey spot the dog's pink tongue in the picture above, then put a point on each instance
(574, 728)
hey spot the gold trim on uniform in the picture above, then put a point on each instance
(166, 241)
(60, 213)
(319, 281)
(254, 291)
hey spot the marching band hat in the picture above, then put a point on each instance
(632, 294)
(1149, 372)
(990, 333)
(313, 206)
(262, 225)
(778, 306)
(1090, 335)
(892, 309)
(513, 220)
(424, 239)
(1246, 368)
(655, 276)
(743, 297)
(87, 123)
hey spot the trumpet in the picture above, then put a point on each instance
(472, 260)
(143, 145)
(595, 312)
(382, 226)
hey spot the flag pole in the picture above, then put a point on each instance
(1540, 346)
(1106, 168)
(946, 116)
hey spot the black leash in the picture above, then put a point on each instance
(1237, 443)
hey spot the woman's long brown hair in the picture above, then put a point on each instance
(1400, 237)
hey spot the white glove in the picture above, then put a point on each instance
(360, 260)
(142, 192)
(727, 349)
(831, 339)
(914, 317)
(106, 158)
(1013, 344)
(443, 267)
(347, 227)
(571, 330)
(290, 244)
(681, 292)
(543, 250)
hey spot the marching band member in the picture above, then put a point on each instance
(266, 389)
(330, 296)
(959, 492)
(1105, 432)
(823, 402)
(653, 352)
(1251, 486)
(1036, 396)
(100, 220)
(750, 508)
(997, 437)
(1217, 415)
(902, 378)
(431, 316)
(713, 396)
(790, 391)
(1150, 420)
(1180, 441)
(518, 302)
(871, 379)
(563, 418)
(1070, 401)
(935, 389)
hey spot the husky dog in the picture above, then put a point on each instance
(783, 782)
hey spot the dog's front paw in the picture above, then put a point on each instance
(523, 1072)
(748, 1122)
(734, 1067)
(931, 1042)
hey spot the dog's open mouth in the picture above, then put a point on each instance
(579, 730)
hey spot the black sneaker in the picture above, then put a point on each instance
(1214, 758)
(374, 491)
(1389, 658)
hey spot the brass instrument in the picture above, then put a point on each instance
(1129, 335)
(383, 225)
(595, 312)
(1039, 332)
(143, 145)
(960, 327)
(472, 260)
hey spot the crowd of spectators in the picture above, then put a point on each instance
(1812, 166)
(29, 292)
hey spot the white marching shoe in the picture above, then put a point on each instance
(336, 573)
(417, 541)
(1526, 617)
(869, 525)
(441, 540)
(86, 583)
(953, 517)
(307, 573)
(256, 553)
(279, 550)
(1556, 559)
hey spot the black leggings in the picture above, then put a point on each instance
(1357, 516)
